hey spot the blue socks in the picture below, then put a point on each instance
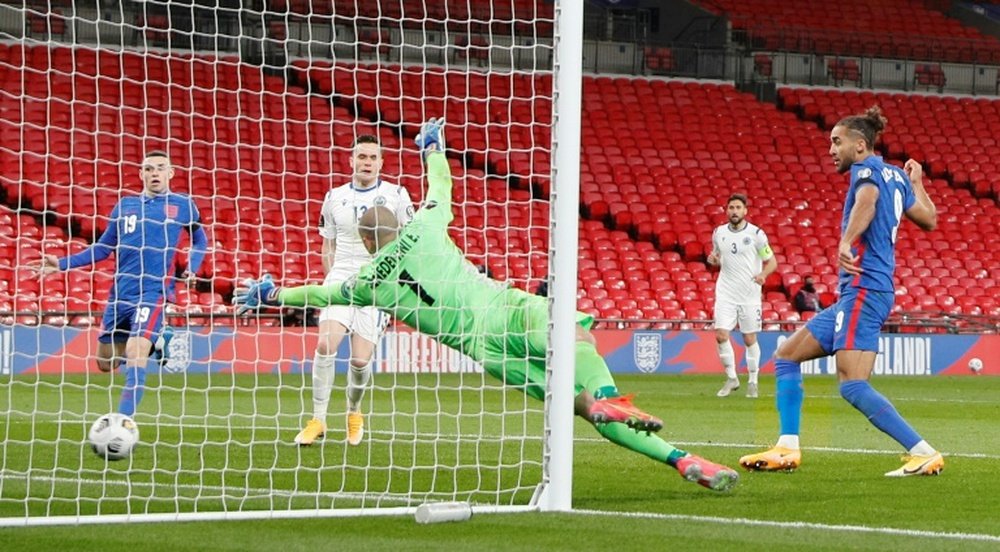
(859, 393)
(135, 383)
(879, 411)
(788, 383)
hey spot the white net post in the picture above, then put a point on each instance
(258, 106)
(567, 96)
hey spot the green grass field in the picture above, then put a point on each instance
(224, 445)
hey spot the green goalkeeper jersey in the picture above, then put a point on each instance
(422, 278)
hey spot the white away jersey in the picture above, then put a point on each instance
(343, 207)
(741, 255)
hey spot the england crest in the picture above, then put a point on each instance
(647, 351)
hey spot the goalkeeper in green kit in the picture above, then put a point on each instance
(419, 276)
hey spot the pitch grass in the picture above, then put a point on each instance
(840, 483)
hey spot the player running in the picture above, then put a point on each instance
(143, 232)
(878, 196)
(421, 277)
(741, 251)
(343, 255)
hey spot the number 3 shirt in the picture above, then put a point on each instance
(741, 255)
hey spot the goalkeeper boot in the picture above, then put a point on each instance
(355, 428)
(707, 474)
(621, 410)
(776, 459)
(314, 430)
(919, 465)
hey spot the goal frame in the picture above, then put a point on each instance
(554, 492)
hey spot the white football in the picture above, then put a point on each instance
(975, 365)
(113, 436)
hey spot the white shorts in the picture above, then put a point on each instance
(728, 314)
(367, 322)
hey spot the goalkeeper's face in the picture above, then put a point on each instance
(156, 173)
(366, 161)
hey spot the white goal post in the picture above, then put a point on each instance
(258, 105)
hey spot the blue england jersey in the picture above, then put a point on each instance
(144, 232)
(877, 245)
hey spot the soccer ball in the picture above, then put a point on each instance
(113, 435)
(975, 365)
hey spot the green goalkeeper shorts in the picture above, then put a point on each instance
(516, 336)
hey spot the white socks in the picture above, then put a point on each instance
(788, 442)
(753, 362)
(357, 381)
(322, 383)
(728, 358)
(923, 448)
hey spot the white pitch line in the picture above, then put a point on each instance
(916, 533)
(270, 493)
(706, 444)
(808, 396)
(977, 455)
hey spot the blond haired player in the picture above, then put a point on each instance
(343, 255)
(745, 260)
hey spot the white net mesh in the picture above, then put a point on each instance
(258, 108)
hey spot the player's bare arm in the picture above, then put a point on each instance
(49, 264)
(862, 215)
(713, 258)
(329, 253)
(770, 266)
(923, 213)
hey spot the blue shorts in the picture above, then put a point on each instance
(124, 319)
(854, 322)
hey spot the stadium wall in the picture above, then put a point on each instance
(57, 350)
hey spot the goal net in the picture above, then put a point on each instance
(258, 105)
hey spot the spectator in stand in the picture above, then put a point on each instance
(807, 299)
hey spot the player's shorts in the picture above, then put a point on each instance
(516, 341)
(854, 322)
(728, 315)
(367, 322)
(124, 319)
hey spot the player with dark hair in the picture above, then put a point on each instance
(143, 232)
(878, 196)
(743, 254)
(343, 256)
(422, 278)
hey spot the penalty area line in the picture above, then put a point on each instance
(807, 525)
(431, 435)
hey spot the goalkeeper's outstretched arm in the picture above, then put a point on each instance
(313, 296)
(430, 140)
(439, 183)
(257, 293)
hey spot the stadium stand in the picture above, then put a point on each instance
(966, 150)
(891, 28)
(260, 168)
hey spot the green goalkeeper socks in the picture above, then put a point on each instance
(593, 375)
(592, 372)
(646, 444)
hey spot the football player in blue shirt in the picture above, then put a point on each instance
(143, 232)
(878, 197)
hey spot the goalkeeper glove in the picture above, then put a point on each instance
(431, 136)
(254, 294)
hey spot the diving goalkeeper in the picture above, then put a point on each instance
(420, 276)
